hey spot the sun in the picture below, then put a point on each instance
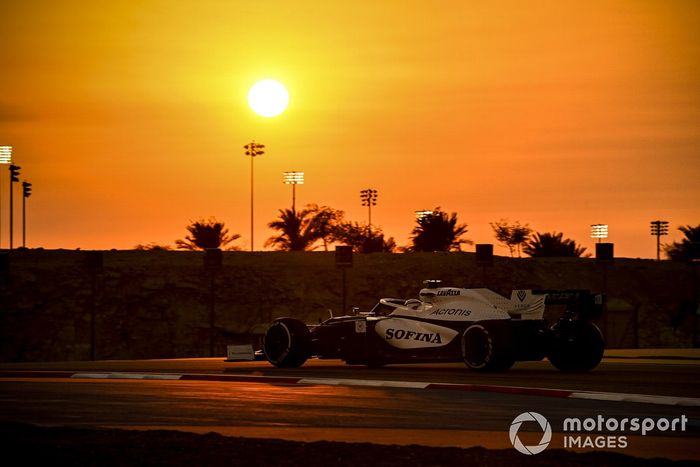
(268, 98)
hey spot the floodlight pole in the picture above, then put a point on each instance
(294, 179)
(11, 216)
(24, 222)
(26, 193)
(369, 199)
(14, 177)
(659, 228)
(252, 210)
(5, 158)
(253, 149)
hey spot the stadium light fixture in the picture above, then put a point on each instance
(420, 215)
(294, 179)
(599, 231)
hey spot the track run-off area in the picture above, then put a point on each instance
(433, 405)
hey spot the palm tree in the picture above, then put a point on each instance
(438, 232)
(552, 245)
(206, 234)
(376, 243)
(362, 239)
(325, 222)
(297, 232)
(688, 248)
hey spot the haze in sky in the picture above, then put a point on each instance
(130, 117)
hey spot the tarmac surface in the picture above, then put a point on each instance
(327, 400)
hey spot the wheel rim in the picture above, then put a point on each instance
(277, 342)
(477, 347)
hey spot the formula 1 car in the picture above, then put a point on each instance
(485, 330)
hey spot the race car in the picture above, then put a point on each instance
(485, 330)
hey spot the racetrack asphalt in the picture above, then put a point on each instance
(658, 372)
(668, 373)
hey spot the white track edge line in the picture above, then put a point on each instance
(641, 398)
(588, 395)
(121, 375)
(364, 382)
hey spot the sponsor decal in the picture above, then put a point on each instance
(521, 295)
(448, 293)
(360, 326)
(412, 334)
(530, 417)
(452, 312)
(433, 338)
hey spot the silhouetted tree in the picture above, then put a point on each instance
(376, 243)
(325, 222)
(511, 235)
(362, 239)
(438, 232)
(152, 247)
(552, 245)
(688, 248)
(297, 232)
(207, 234)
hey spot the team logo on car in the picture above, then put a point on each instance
(451, 292)
(522, 295)
(452, 312)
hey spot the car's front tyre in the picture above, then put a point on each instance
(287, 343)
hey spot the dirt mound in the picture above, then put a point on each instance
(105, 448)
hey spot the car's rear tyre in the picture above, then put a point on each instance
(578, 347)
(486, 346)
(287, 343)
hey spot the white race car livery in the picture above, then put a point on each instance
(480, 327)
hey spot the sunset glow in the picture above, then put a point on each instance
(128, 117)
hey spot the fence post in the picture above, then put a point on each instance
(343, 260)
(94, 264)
(604, 256)
(213, 262)
(484, 258)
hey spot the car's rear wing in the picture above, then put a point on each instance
(581, 301)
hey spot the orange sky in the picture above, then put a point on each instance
(129, 117)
